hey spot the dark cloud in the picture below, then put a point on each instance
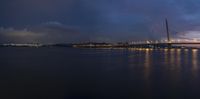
(97, 20)
(51, 32)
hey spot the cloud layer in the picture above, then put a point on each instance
(96, 20)
(51, 32)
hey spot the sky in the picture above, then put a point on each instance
(70, 21)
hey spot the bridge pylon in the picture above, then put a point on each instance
(168, 35)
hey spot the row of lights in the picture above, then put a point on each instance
(165, 41)
(165, 49)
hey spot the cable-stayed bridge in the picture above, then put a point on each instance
(168, 43)
(164, 43)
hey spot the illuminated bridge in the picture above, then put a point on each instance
(152, 44)
(164, 43)
(168, 43)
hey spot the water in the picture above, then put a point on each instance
(67, 73)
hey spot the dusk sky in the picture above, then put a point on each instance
(66, 21)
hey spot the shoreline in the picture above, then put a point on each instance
(99, 47)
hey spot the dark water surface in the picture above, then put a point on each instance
(67, 73)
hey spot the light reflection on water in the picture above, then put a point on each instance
(173, 63)
(147, 64)
(67, 72)
(172, 59)
(194, 62)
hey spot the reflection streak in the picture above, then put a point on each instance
(147, 64)
(194, 62)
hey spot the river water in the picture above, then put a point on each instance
(69, 73)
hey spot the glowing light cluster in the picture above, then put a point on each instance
(166, 41)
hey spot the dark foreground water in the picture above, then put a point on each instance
(67, 73)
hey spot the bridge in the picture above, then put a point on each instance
(163, 43)
(168, 43)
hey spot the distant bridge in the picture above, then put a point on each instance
(169, 43)
(161, 45)
(173, 43)
(166, 43)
